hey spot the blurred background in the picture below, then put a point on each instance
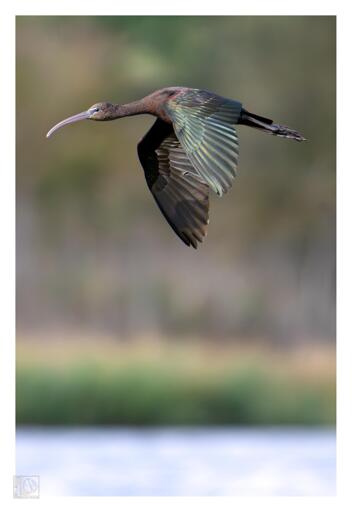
(119, 323)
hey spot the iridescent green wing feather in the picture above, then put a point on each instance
(181, 194)
(203, 123)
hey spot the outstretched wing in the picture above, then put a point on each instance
(181, 194)
(203, 123)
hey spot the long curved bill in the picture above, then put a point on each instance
(69, 120)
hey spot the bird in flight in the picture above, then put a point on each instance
(191, 148)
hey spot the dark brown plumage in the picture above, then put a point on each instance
(191, 147)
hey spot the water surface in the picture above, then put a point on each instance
(178, 461)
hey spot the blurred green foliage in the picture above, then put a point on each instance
(94, 253)
(176, 388)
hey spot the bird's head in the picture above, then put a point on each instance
(102, 111)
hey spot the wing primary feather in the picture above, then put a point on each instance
(180, 192)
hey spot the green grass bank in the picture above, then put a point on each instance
(151, 384)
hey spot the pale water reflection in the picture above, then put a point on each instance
(178, 461)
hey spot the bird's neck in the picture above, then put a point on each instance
(131, 109)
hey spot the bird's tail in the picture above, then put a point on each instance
(267, 125)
